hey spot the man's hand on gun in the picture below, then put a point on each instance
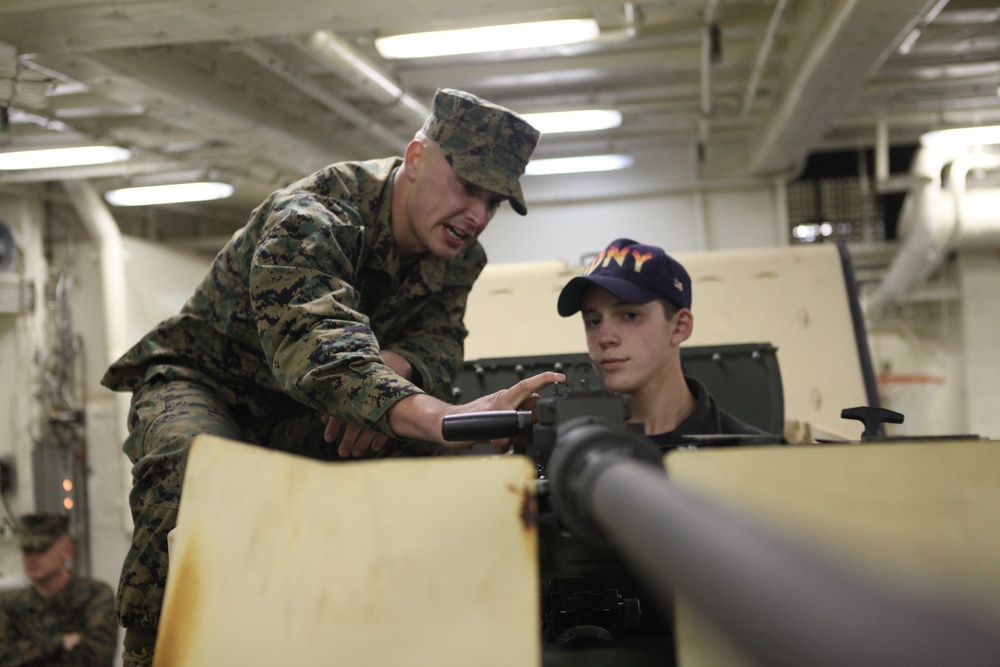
(354, 440)
(522, 396)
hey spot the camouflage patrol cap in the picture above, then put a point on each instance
(484, 143)
(38, 532)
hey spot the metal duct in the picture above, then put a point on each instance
(937, 217)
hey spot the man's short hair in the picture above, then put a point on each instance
(486, 144)
(633, 272)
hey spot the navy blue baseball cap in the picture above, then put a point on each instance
(633, 272)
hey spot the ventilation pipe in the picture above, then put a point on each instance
(938, 216)
(352, 66)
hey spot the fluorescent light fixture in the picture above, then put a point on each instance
(963, 136)
(62, 157)
(488, 38)
(583, 120)
(168, 194)
(576, 165)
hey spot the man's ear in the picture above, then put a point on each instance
(412, 158)
(683, 322)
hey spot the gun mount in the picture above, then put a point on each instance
(603, 492)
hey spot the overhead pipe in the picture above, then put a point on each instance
(629, 29)
(269, 60)
(337, 53)
(932, 218)
(709, 52)
(762, 55)
(975, 210)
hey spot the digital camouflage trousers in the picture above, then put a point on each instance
(164, 419)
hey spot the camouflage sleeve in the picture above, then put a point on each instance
(20, 645)
(100, 629)
(434, 345)
(320, 348)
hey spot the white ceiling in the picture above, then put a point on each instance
(236, 88)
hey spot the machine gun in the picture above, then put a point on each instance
(587, 593)
(603, 493)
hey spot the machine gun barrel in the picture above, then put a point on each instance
(780, 601)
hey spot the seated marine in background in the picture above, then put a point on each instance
(61, 619)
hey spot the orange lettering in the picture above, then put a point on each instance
(640, 259)
(617, 254)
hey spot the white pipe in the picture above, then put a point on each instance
(269, 60)
(355, 67)
(781, 225)
(975, 211)
(920, 224)
(881, 152)
(930, 221)
(762, 55)
(705, 106)
(104, 231)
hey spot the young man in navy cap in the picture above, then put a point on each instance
(636, 306)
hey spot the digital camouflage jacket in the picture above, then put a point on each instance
(301, 301)
(32, 626)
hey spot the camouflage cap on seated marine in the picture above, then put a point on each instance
(38, 532)
(484, 143)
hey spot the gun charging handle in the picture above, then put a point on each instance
(874, 420)
(484, 426)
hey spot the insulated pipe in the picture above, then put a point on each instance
(930, 220)
(779, 601)
(353, 66)
(955, 218)
(975, 211)
(104, 231)
(920, 223)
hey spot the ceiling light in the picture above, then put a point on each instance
(488, 38)
(62, 157)
(576, 165)
(963, 136)
(584, 120)
(168, 194)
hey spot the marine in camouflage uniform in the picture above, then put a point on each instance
(290, 323)
(34, 621)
